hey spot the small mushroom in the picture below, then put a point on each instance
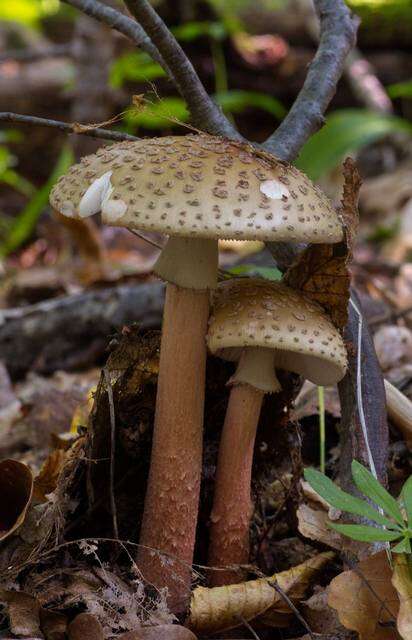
(196, 189)
(263, 326)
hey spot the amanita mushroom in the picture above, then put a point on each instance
(196, 189)
(263, 326)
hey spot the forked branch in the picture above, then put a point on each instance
(205, 113)
(337, 37)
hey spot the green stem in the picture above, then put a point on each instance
(322, 429)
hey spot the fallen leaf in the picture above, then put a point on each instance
(366, 600)
(160, 632)
(321, 271)
(23, 612)
(222, 608)
(85, 626)
(402, 581)
(53, 624)
(16, 490)
(46, 480)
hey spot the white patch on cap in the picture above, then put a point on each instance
(274, 189)
(112, 210)
(67, 209)
(95, 195)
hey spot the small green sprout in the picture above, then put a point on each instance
(395, 518)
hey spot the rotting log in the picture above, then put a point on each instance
(72, 332)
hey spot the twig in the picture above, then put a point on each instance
(112, 450)
(295, 610)
(249, 627)
(205, 113)
(337, 37)
(116, 20)
(67, 127)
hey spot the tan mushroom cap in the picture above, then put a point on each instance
(256, 313)
(198, 186)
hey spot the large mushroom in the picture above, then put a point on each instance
(196, 189)
(263, 326)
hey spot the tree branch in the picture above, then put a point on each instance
(116, 20)
(337, 36)
(205, 113)
(67, 127)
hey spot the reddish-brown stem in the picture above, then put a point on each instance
(172, 498)
(230, 518)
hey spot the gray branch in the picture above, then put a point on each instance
(205, 113)
(116, 20)
(66, 127)
(337, 36)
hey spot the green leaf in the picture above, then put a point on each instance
(238, 101)
(404, 546)
(26, 221)
(341, 500)
(366, 483)
(193, 30)
(345, 131)
(406, 494)
(166, 112)
(269, 273)
(134, 67)
(400, 89)
(364, 533)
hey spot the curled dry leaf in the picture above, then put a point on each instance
(221, 608)
(402, 581)
(313, 524)
(46, 481)
(321, 271)
(366, 600)
(16, 490)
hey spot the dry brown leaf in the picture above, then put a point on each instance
(85, 626)
(402, 581)
(366, 600)
(16, 490)
(221, 608)
(46, 481)
(23, 612)
(321, 271)
(53, 624)
(313, 524)
(160, 632)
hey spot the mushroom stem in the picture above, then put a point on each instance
(232, 506)
(257, 368)
(171, 504)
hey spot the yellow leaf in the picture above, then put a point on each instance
(402, 581)
(221, 608)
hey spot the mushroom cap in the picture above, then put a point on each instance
(249, 312)
(198, 186)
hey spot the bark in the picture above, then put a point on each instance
(353, 443)
(172, 498)
(232, 506)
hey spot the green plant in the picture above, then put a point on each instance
(395, 518)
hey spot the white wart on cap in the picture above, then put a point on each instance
(198, 186)
(267, 326)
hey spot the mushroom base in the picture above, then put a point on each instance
(256, 367)
(189, 262)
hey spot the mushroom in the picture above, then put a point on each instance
(263, 326)
(196, 189)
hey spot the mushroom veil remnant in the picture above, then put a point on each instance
(195, 189)
(263, 326)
